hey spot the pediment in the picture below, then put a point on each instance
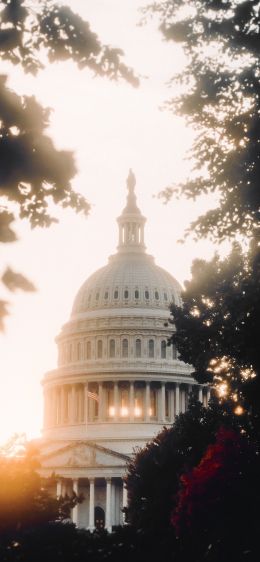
(84, 454)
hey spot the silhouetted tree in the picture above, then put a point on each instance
(153, 475)
(217, 515)
(33, 172)
(220, 97)
(217, 329)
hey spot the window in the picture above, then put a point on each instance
(156, 294)
(125, 348)
(79, 351)
(112, 348)
(165, 296)
(88, 351)
(126, 294)
(116, 294)
(174, 352)
(106, 295)
(70, 352)
(136, 294)
(138, 348)
(97, 296)
(99, 349)
(163, 349)
(151, 348)
(146, 294)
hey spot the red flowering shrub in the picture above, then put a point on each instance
(219, 499)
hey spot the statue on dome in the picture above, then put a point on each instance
(131, 181)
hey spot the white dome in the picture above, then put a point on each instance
(129, 279)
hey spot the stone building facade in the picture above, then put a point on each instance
(117, 382)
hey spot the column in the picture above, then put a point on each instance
(86, 402)
(124, 502)
(59, 488)
(75, 510)
(116, 400)
(147, 401)
(62, 405)
(162, 402)
(91, 521)
(100, 401)
(200, 394)
(73, 408)
(108, 505)
(132, 401)
(177, 399)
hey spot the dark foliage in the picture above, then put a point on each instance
(33, 172)
(220, 97)
(217, 330)
(217, 515)
(154, 474)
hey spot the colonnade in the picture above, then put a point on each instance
(113, 401)
(103, 502)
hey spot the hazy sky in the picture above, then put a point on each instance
(110, 127)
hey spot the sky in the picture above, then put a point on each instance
(110, 127)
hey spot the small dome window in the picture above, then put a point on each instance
(116, 294)
(89, 297)
(112, 348)
(126, 294)
(156, 294)
(165, 296)
(97, 296)
(146, 295)
(136, 294)
(151, 348)
(138, 348)
(163, 349)
(99, 349)
(125, 348)
(106, 295)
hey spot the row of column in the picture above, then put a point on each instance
(70, 404)
(91, 506)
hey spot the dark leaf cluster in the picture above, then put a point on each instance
(217, 329)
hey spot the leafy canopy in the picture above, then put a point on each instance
(33, 172)
(220, 98)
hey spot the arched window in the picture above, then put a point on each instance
(99, 349)
(151, 348)
(156, 294)
(146, 295)
(165, 296)
(136, 294)
(163, 349)
(174, 352)
(138, 348)
(88, 350)
(126, 294)
(112, 348)
(106, 295)
(125, 348)
(116, 294)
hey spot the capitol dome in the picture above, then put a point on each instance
(117, 382)
(129, 280)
